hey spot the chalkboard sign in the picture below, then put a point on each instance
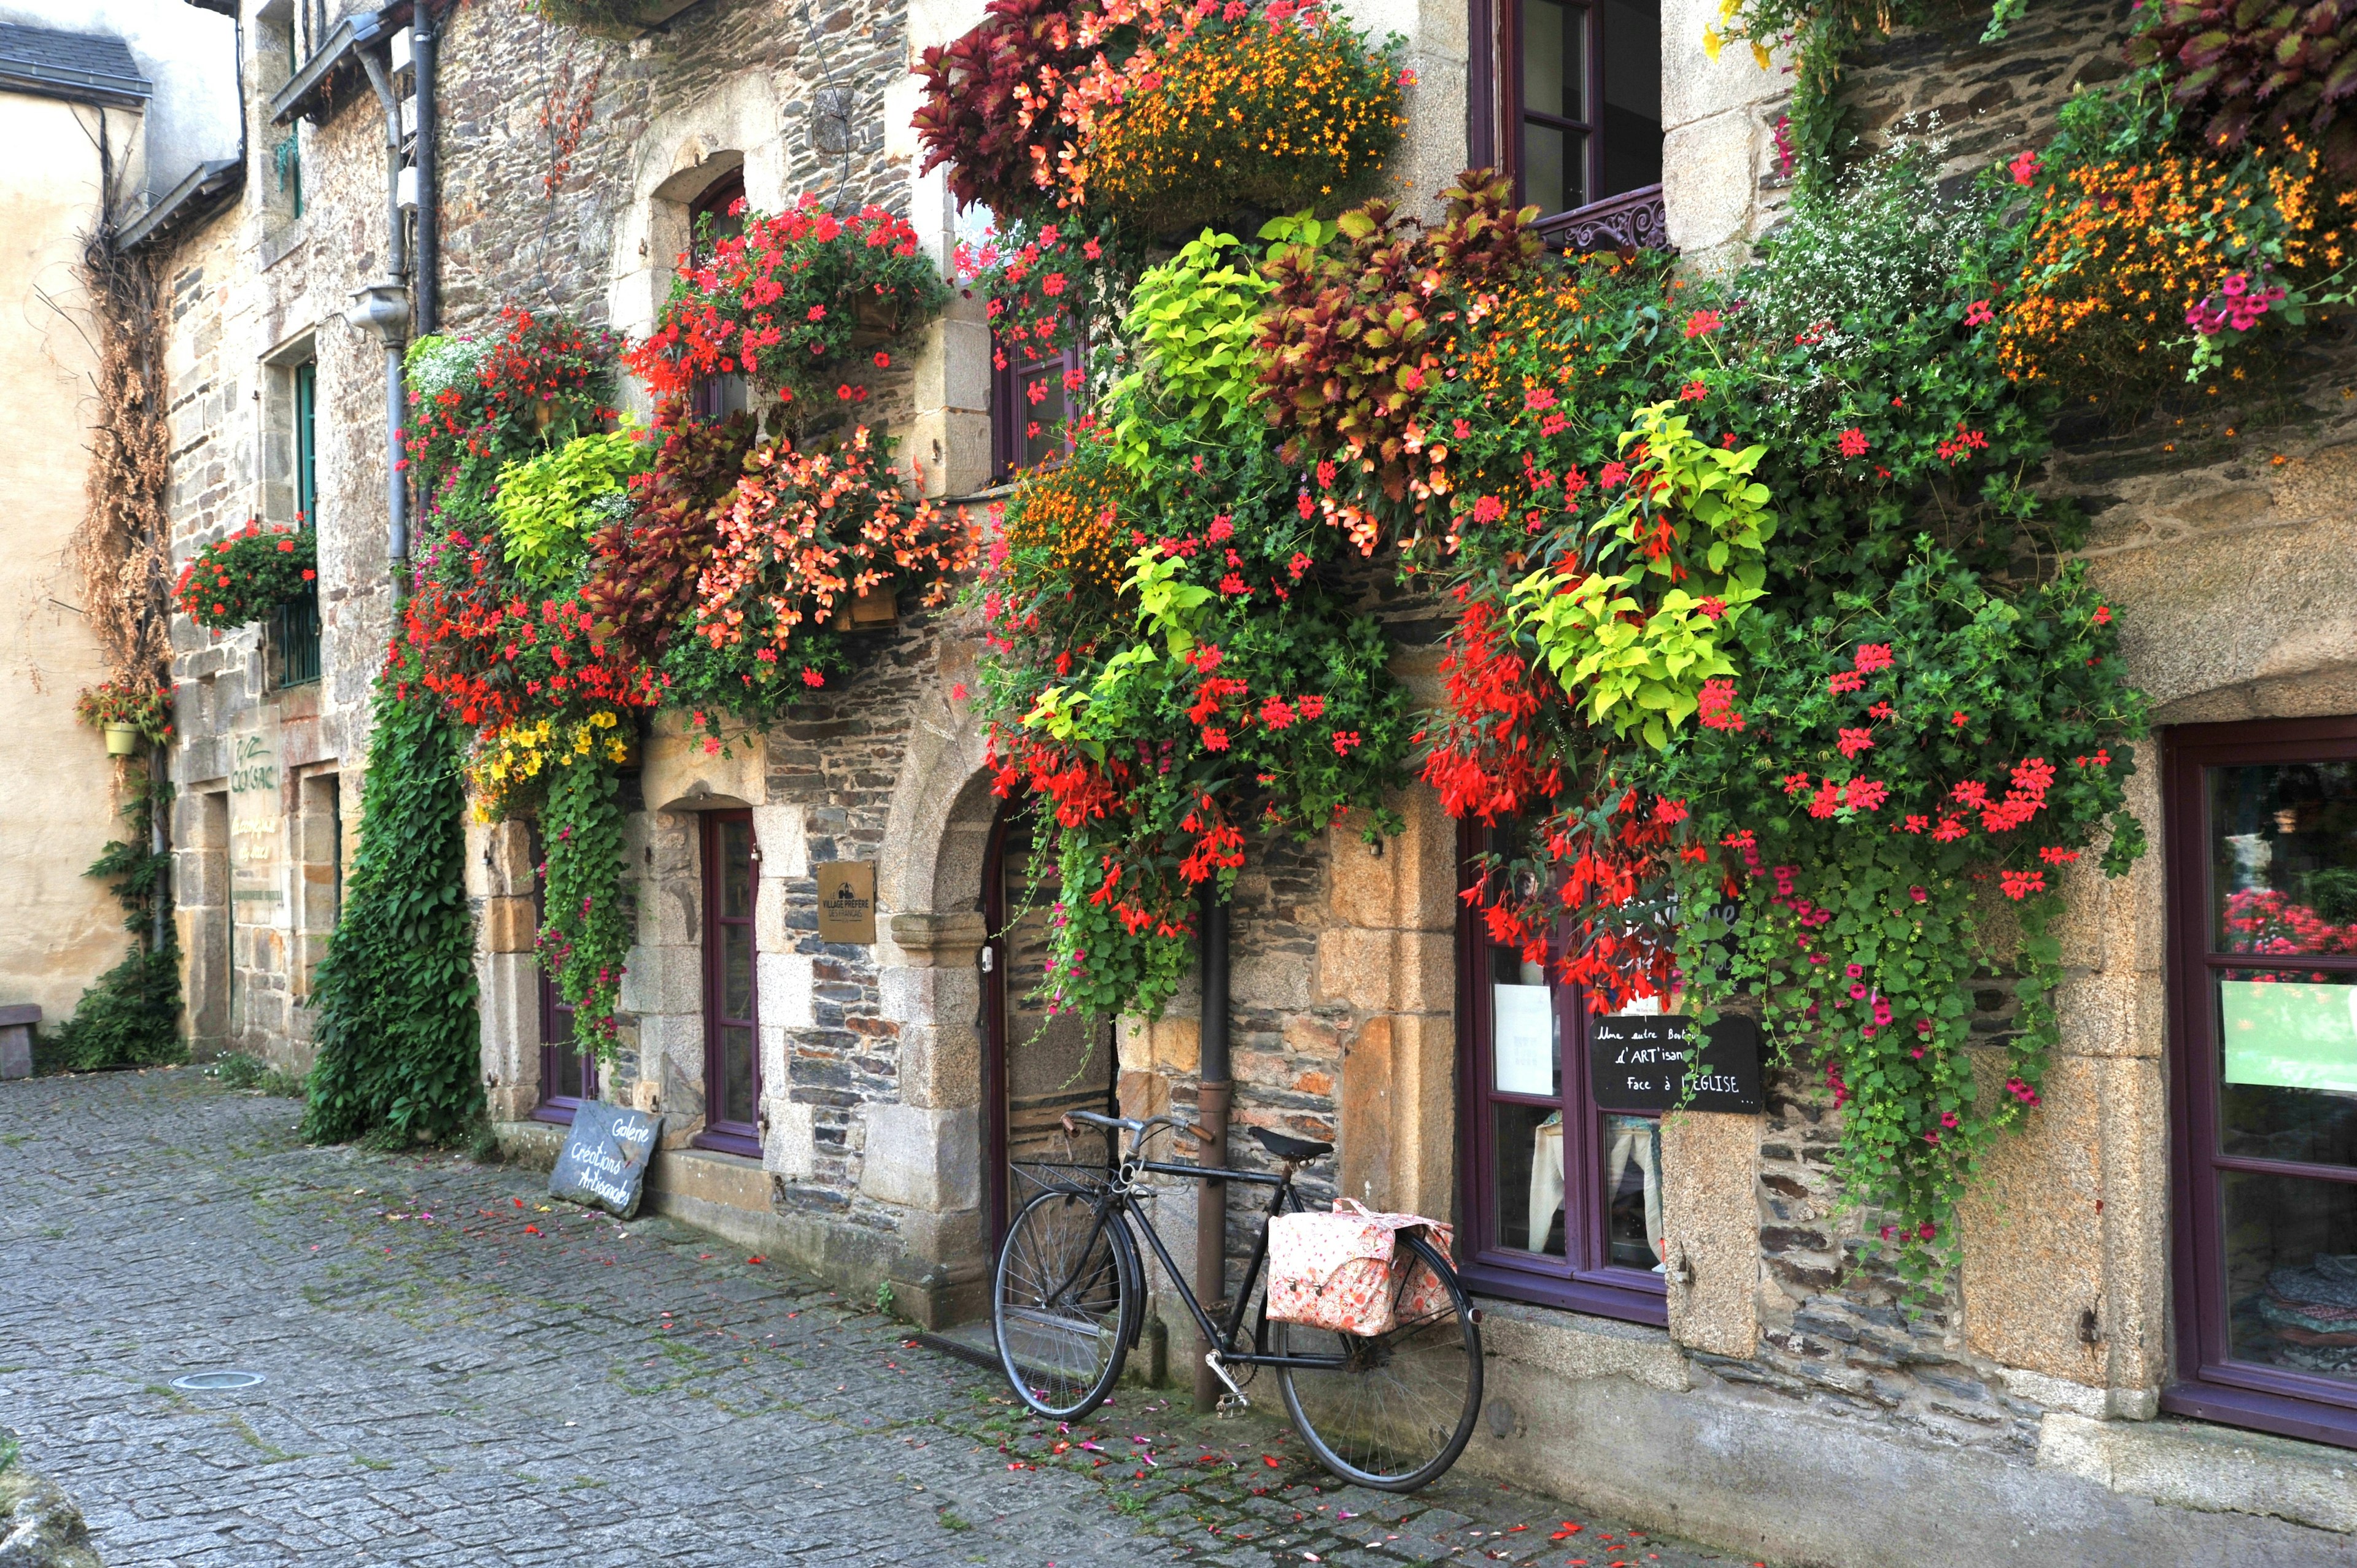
(605, 1159)
(1638, 1062)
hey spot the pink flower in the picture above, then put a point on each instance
(1693, 391)
(817, 313)
(810, 677)
(1978, 314)
(2024, 168)
(1702, 322)
(1853, 443)
(1871, 657)
(1712, 606)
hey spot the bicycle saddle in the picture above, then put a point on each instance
(1286, 1148)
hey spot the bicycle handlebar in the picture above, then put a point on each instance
(1139, 1131)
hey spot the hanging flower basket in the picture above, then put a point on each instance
(127, 714)
(240, 580)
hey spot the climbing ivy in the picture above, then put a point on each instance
(398, 1056)
(130, 1016)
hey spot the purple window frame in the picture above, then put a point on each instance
(1584, 1279)
(1495, 114)
(557, 1029)
(729, 1136)
(1009, 410)
(2210, 1384)
(714, 397)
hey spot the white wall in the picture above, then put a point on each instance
(191, 55)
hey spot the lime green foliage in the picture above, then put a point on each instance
(1196, 318)
(399, 1056)
(544, 504)
(1634, 645)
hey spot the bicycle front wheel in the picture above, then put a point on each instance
(1063, 1303)
(1395, 1410)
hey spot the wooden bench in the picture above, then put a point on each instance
(16, 1025)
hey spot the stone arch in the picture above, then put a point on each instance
(734, 125)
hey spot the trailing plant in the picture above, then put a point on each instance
(641, 584)
(805, 533)
(1351, 345)
(1273, 109)
(2276, 76)
(1042, 289)
(130, 1015)
(991, 100)
(478, 404)
(145, 708)
(1193, 321)
(784, 303)
(548, 505)
(1224, 682)
(2138, 273)
(398, 1054)
(245, 578)
(586, 937)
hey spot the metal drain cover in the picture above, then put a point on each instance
(199, 1382)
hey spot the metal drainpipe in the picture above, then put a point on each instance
(396, 483)
(1215, 1090)
(426, 287)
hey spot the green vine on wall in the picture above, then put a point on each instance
(399, 1056)
(130, 1015)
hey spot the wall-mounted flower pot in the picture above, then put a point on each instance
(122, 740)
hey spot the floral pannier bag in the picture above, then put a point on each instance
(1342, 1271)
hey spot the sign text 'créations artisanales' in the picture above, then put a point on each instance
(605, 1159)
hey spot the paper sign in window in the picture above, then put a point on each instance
(2290, 1034)
(1522, 1029)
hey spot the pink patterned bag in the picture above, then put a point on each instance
(1340, 1270)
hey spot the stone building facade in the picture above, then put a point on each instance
(1777, 1398)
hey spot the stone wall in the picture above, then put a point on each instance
(267, 773)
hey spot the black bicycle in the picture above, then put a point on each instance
(1390, 1411)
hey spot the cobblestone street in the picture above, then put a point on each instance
(459, 1375)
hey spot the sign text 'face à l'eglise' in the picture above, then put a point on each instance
(1638, 1062)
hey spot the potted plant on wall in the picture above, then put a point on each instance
(127, 713)
(240, 580)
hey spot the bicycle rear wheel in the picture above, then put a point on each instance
(1400, 1407)
(1064, 1303)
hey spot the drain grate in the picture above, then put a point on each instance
(206, 1381)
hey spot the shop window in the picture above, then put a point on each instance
(2263, 858)
(295, 625)
(1563, 1199)
(710, 221)
(1031, 403)
(732, 1055)
(1578, 116)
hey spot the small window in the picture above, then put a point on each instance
(732, 1052)
(1032, 403)
(1563, 1201)
(710, 220)
(294, 625)
(2263, 860)
(1583, 110)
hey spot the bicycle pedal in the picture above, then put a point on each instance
(1230, 1403)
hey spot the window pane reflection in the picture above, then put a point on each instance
(1529, 1146)
(1554, 167)
(1554, 60)
(1633, 96)
(2290, 1265)
(2283, 852)
(1633, 1191)
(737, 1059)
(2287, 1068)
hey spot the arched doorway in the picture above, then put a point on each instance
(1035, 1067)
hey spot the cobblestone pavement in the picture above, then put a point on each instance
(460, 1373)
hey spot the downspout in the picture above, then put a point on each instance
(385, 311)
(1215, 1090)
(426, 289)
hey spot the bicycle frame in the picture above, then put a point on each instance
(1117, 1204)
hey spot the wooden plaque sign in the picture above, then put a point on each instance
(1638, 1062)
(847, 901)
